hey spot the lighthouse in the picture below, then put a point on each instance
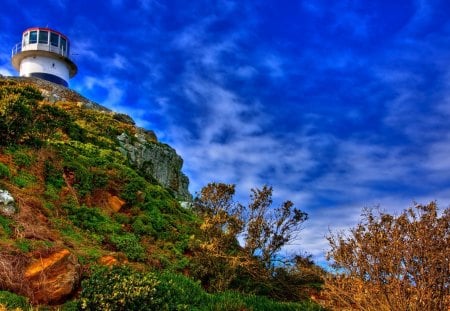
(44, 53)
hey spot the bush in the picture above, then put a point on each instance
(119, 289)
(178, 292)
(23, 245)
(70, 306)
(129, 244)
(22, 159)
(142, 225)
(53, 175)
(83, 177)
(393, 262)
(4, 171)
(24, 179)
(151, 222)
(12, 301)
(131, 189)
(5, 224)
(92, 219)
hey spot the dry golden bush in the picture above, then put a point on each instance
(392, 262)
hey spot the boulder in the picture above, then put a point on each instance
(52, 277)
(115, 203)
(7, 204)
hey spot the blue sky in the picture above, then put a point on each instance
(338, 105)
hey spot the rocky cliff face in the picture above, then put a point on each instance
(157, 161)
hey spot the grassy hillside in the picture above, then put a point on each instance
(89, 230)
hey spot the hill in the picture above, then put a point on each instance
(82, 188)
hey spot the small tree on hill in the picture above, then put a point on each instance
(265, 230)
(393, 262)
(268, 229)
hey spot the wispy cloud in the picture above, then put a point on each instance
(110, 87)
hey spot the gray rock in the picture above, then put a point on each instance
(157, 161)
(7, 204)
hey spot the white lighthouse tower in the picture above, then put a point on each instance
(44, 53)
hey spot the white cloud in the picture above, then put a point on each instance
(5, 72)
(119, 62)
(98, 85)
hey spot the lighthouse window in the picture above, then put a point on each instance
(63, 45)
(33, 37)
(54, 38)
(43, 37)
(25, 39)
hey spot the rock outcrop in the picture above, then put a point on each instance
(53, 276)
(7, 206)
(157, 161)
(115, 203)
(45, 276)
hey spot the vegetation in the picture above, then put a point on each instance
(13, 301)
(393, 262)
(121, 288)
(255, 267)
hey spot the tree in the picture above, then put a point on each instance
(393, 262)
(265, 230)
(217, 263)
(268, 229)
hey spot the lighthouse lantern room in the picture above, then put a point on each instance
(44, 53)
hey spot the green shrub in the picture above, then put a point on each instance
(16, 119)
(158, 220)
(92, 219)
(23, 245)
(13, 301)
(129, 244)
(134, 185)
(23, 159)
(52, 175)
(5, 224)
(24, 179)
(122, 218)
(99, 179)
(4, 171)
(119, 288)
(90, 255)
(83, 177)
(51, 193)
(142, 225)
(178, 292)
(72, 305)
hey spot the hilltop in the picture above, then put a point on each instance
(82, 188)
